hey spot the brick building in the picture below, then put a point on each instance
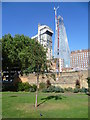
(79, 59)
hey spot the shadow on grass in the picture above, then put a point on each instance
(13, 96)
(55, 97)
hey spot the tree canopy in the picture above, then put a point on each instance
(22, 52)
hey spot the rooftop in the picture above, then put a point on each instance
(78, 51)
(44, 28)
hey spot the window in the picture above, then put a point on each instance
(58, 53)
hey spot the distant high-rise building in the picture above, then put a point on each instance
(44, 36)
(79, 59)
(61, 47)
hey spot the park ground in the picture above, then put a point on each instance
(50, 105)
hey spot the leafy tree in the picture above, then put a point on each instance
(22, 52)
(25, 53)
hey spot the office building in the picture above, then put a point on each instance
(79, 59)
(44, 37)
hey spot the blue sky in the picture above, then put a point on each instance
(23, 18)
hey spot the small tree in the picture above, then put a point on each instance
(41, 65)
(25, 53)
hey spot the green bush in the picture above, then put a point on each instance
(69, 89)
(42, 85)
(76, 90)
(59, 89)
(23, 86)
(20, 86)
(44, 90)
(49, 89)
(27, 86)
(83, 90)
(34, 87)
(53, 89)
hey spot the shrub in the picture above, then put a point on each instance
(53, 89)
(69, 89)
(26, 86)
(42, 85)
(49, 89)
(76, 90)
(20, 86)
(44, 90)
(23, 86)
(59, 89)
(83, 90)
(34, 87)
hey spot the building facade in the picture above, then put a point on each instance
(61, 47)
(79, 59)
(44, 37)
(57, 65)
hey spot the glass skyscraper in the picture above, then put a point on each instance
(61, 47)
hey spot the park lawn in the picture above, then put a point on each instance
(50, 105)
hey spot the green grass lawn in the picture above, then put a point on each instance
(50, 105)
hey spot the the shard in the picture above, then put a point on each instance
(61, 47)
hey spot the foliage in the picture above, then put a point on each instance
(23, 86)
(49, 89)
(84, 90)
(53, 76)
(34, 87)
(22, 52)
(59, 89)
(53, 89)
(69, 89)
(76, 90)
(42, 85)
(26, 87)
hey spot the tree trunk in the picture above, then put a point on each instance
(37, 90)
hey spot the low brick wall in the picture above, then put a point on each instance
(65, 80)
